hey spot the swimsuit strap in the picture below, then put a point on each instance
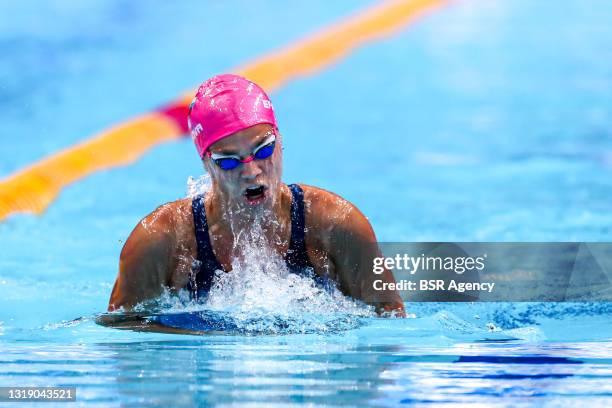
(208, 261)
(297, 256)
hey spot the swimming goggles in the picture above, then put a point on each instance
(261, 152)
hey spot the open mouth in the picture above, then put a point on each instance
(255, 195)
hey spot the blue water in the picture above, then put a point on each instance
(485, 120)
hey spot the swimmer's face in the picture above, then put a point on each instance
(253, 185)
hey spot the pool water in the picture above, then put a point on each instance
(485, 120)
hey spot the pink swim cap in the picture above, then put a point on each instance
(226, 104)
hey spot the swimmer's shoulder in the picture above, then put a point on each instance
(149, 255)
(334, 216)
(168, 223)
(167, 217)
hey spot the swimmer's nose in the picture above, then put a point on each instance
(250, 170)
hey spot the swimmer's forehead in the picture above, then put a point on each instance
(243, 141)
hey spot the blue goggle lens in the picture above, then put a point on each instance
(228, 164)
(265, 152)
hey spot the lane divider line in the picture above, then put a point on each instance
(35, 187)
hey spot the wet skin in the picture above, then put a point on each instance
(340, 241)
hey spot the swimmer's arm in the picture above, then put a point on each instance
(143, 267)
(354, 248)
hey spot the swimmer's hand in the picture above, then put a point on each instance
(391, 310)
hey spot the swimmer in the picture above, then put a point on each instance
(181, 244)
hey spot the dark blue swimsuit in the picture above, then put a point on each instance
(296, 258)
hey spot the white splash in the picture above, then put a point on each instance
(260, 283)
(199, 185)
(261, 295)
